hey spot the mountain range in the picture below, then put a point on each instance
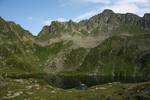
(107, 44)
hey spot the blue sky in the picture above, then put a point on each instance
(34, 14)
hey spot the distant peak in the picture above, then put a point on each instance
(1, 18)
(55, 22)
(11, 22)
(107, 11)
(70, 21)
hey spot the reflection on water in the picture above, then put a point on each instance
(66, 81)
(73, 81)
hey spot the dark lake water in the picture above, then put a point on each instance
(67, 82)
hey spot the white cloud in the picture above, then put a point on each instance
(85, 16)
(114, 1)
(61, 19)
(64, 3)
(130, 6)
(118, 6)
(123, 8)
(133, 1)
(97, 1)
(47, 22)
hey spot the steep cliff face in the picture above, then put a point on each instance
(145, 22)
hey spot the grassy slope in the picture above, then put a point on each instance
(17, 59)
(117, 55)
(38, 89)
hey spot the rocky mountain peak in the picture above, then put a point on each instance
(11, 22)
(44, 30)
(1, 18)
(147, 16)
(105, 22)
(13, 28)
(4, 27)
(107, 11)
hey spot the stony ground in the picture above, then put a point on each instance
(22, 89)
